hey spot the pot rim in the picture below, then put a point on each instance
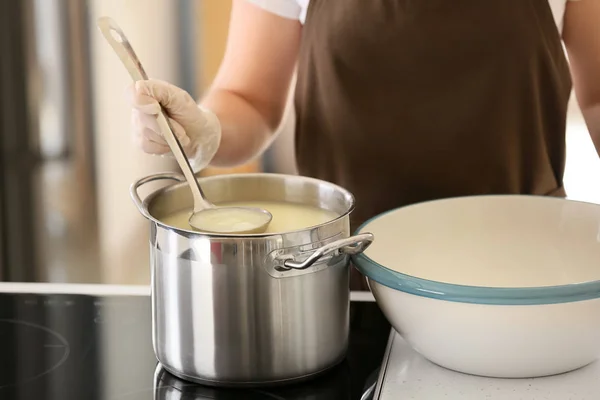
(188, 232)
(488, 295)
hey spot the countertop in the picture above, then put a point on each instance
(107, 290)
(408, 375)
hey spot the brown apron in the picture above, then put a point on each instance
(404, 101)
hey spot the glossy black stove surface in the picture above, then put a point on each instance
(71, 347)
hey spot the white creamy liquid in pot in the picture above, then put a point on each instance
(286, 216)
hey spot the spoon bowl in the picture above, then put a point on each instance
(231, 220)
(206, 216)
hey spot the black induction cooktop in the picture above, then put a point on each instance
(67, 347)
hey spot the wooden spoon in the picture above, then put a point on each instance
(206, 216)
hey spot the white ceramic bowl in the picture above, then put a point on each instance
(501, 286)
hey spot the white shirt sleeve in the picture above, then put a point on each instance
(284, 8)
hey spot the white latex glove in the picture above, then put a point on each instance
(198, 130)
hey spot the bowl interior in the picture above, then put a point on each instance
(491, 241)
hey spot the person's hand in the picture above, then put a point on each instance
(198, 130)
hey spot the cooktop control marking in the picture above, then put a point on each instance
(52, 345)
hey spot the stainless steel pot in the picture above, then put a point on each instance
(232, 310)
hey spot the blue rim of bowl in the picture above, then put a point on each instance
(471, 294)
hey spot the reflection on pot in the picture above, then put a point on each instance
(333, 385)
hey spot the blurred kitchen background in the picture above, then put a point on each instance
(67, 158)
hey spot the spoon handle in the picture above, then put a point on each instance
(118, 41)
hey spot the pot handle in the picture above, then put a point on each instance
(135, 196)
(352, 245)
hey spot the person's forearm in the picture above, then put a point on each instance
(591, 114)
(245, 132)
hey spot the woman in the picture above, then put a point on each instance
(399, 101)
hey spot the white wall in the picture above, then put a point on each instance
(282, 151)
(582, 173)
(150, 27)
